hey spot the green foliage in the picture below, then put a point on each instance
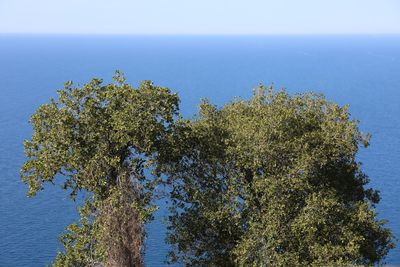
(100, 138)
(93, 131)
(81, 241)
(269, 181)
(273, 181)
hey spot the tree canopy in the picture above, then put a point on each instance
(270, 181)
(100, 138)
(273, 181)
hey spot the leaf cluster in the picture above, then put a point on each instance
(100, 138)
(270, 181)
(273, 181)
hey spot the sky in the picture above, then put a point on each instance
(179, 17)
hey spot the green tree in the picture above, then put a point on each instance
(272, 181)
(269, 181)
(101, 139)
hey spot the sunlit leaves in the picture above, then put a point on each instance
(99, 138)
(274, 181)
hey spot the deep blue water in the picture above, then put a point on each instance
(362, 71)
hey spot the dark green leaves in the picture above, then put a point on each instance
(99, 138)
(268, 181)
(274, 181)
(91, 132)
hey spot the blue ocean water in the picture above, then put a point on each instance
(362, 71)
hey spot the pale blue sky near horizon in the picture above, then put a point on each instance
(200, 17)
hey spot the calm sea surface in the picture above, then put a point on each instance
(362, 71)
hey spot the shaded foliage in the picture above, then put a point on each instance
(270, 181)
(100, 138)
(273, 181)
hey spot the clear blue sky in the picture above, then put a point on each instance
(200, 16)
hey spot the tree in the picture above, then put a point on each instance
(101, 139)
(272, 181)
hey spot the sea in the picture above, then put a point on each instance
(362, 71)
